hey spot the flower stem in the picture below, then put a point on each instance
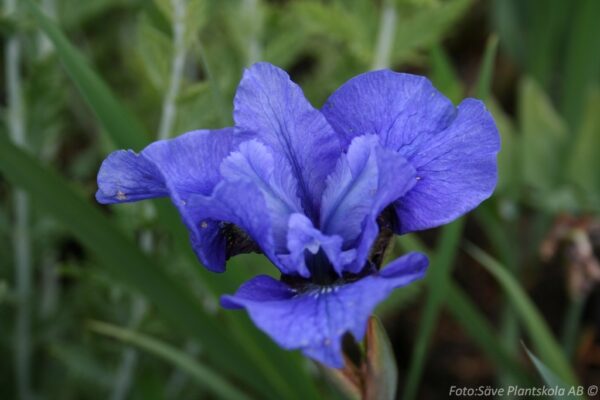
(50, 286)
(251, 9)
(21, 233)
(385, 37)
(177, 65)
(130, 355)
(44, 44)
(571, 325)
(176, 382)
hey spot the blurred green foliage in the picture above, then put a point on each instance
(98, 75)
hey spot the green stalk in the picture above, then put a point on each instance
(44, 44)
(21, 233)
(385, 37)
(251, 9)
(502, 237)
(50, 285)
(178, 379)
(571, 325)
(130, 356)
(177, 64)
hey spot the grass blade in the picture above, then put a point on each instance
(486, 71)
(443, 74)
(22, 242)
(480, 330)
(200, 373)
(472, 321)
(582, 60)
(437, 282)
(549, 377)
(531, 319)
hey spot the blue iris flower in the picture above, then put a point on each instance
(318, 192)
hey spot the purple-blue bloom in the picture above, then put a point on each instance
(318, 192)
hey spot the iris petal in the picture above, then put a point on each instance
(452, 150)
(269, 104)
(179, 168)
(365, 181)
(456, 172)
(315, 319)
(254, 163)
(257, 194)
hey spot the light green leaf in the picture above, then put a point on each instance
(124, 129)
(284, 39)
(486, 70)
(443, 75)
(582, 59)
(155, 51)
(201, 374)
(336, 22)
(509, 156)
(548, 376)
(584, 161)
(425, 26)
(543, 138)
(195, 12)
(196, 108)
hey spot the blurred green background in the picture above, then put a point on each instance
(109, 302)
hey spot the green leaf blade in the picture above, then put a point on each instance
(538, 330)
(203, 375)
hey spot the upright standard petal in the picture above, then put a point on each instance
(452, 150)
(314, 318)
(258, 195)
(269, 104)
(179, 167)
(399, 108)
(456, 171)
(365, 181)
(255, 164)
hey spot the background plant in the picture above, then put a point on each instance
(83, 78)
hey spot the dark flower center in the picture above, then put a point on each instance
(321, 270)
(237, 241)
